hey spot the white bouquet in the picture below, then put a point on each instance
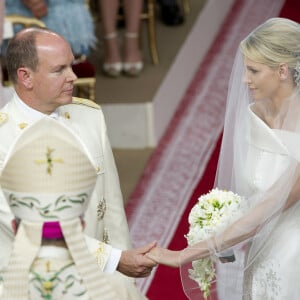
(212, 213)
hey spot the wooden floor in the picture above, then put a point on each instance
(130, 164)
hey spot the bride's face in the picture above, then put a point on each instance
(263, 81)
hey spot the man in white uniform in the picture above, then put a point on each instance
(47, 179)
(40, 66)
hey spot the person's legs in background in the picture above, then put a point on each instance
(132, 54)
(112, 57)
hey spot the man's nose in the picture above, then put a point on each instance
(71, 75)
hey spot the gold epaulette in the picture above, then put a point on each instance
(76, 100)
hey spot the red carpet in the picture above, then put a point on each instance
(166, 283)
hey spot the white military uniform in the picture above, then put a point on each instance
(105, 216)
(53, 275)
(47, 179)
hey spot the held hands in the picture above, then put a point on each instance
(139, 262)
(135, 263)
(178, 258)
(165, 257)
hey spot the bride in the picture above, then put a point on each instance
(259, 160)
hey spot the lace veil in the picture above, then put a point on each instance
(259, 157)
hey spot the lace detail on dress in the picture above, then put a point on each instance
(266, 280)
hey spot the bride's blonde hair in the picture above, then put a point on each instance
(274, 42)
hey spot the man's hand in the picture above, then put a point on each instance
(134, 263)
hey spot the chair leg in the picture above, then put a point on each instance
(151, 32)
(85, 88)
(186, 6)
(92, 91)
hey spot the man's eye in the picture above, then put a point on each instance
(59, 70)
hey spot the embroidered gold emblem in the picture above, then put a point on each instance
(67, 115)
(105, 236)
(3, 117)
(22, 125)
(101, 209)
(99, 255)
(85, 102)
(48, 266)
(49, 160)
(47, 286)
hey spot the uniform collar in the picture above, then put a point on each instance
(33, 114)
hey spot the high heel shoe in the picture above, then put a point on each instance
(132, 68)
(112, 69)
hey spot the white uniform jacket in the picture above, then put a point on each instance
(105, 216)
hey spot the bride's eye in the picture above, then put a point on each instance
(252, 70)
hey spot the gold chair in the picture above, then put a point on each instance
(186, 6)
(149, 16)
(24, 21)
(84, 85)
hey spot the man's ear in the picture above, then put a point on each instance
(14, 226)
(283, 71)
(25, 77)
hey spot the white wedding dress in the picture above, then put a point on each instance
(275, 272)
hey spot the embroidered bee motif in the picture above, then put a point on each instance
(105, 236)
(101, 209)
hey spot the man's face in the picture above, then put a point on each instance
(53, 79)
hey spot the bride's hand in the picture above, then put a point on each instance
(165, 257)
